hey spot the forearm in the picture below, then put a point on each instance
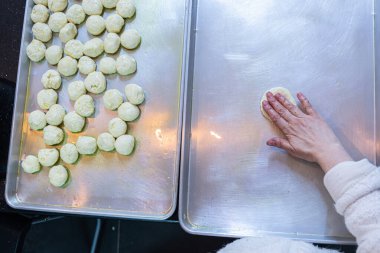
(331, 156)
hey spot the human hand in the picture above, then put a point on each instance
(307, 135)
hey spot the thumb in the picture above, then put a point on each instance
(280, 143)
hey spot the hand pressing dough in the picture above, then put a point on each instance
(128, 111)
(57, 5)
(69, 153)
(114, 23)
(37, 120)
(53, 54)
(68, 32)
(48, 156)
(86, 65)
(283, 91)
(76, 89)
(55, 115)
(53, 135)
(75, 14)
(58, 176)
(36, 50)
(95, 24)
(51, 79)
(85, 106)
(126, 8)
(126, 65)
(86, 145)
(112, 99)
(67, 66)
(106, 142)
(92, 7)
(74, 122)
(43, 2)
(57, 21)
(74, 49)
(117, 127)
(31, 164)
(95, 82)
(40, 14)
(130, 39)
(107, 66)
(134, 93)
(125, 144)
(47, 98)
(93, 48)
(111, 43)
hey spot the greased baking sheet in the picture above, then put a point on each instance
(143, 185)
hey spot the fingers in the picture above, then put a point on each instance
(305, 104)
(274, 116)
(279, 108)
(293, 109)
(280, 143)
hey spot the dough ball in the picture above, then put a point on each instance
(107, 65)
(43, 2)
(74, 49)
(126, 8)
(37, 120)
(125, 144)
(69, 153)
(74, 122)
(85, 106)
(95, 82)
(57, 21)
(57, 5)
(86, 65)
(58, 176)
(93, 48)
(42, 32)
(67, 66)
(53, 54)
(112, 99)
(134, 93)
(92, 7)
(109, 3)
(117, 127)
(283, 91)
(106, 142)
(36, 50)
(48, 156)
(126, 65)
(47, 98)
(130, 39)
(40, 14)
(76, 89)
(114, 23)
(68, 32)
(128, 111)
(75, 14)
(55, 115)
(86, 145)
(51, 79)
(111, 43)
(95, 25)
(31, 164)
(53, 135)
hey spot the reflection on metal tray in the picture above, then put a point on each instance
(232, 184)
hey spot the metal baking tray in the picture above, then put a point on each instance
(232, 184)
(143, 185)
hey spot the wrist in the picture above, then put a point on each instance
(332, 155)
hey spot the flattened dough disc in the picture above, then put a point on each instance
(283, 91)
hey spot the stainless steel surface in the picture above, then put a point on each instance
(141, 186)
(232, 184)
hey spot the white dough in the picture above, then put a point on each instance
(126, 65)
(40, 14)
(126, 8)
(43, 2)
(128, 111)
(107, 65)
(67, 66)
(57, 5)
(93, 47)
(92, 7)
(47, 98)
(86, 65)
(112, 99)
(130, 39)
(53, 135)
(55, 115)
(51, 79)
(31, 164)
(86, 145)
(283, 91)
(117, 127)
(95, 82)
(74, 122)
(68, 32)
(74, 49)
(53, 54)
(109, 3)
(106, 142)
(114, 23)
(125, 144)
(76, 89)
(134, 93)
(48, 156)
(36, 50)
(111, 43)
(37, 120)
(84, 106)
(75, 14)
(42, 32)
(95, 24)
(58, 176)
(69, 153)
(57, 21)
